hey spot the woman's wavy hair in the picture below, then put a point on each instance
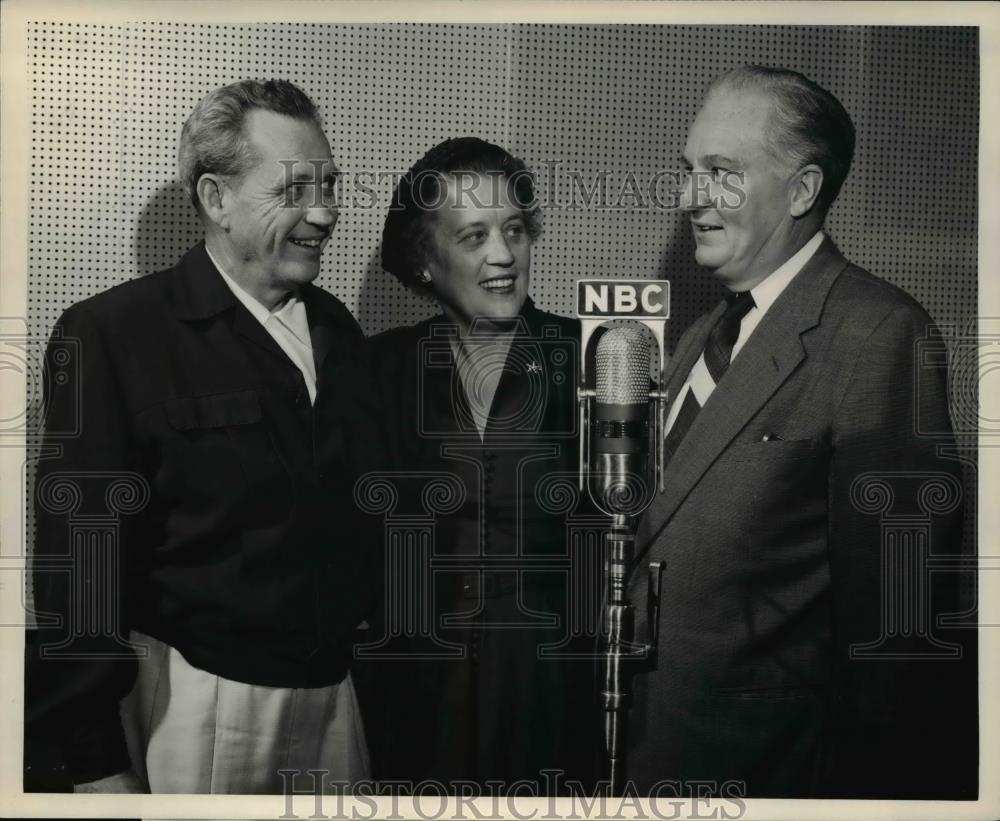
(407, 244)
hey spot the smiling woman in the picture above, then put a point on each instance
(482, 397)
(461, 225)
(481, 252)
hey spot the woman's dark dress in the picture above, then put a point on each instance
(492, 709)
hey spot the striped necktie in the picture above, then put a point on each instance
(718, 352)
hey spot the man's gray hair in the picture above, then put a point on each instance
(214, 139)
(808, 125)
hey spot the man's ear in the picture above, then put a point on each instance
(211, 195)
(806, 185)
(424, 277)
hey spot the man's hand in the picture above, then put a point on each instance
(123, 782)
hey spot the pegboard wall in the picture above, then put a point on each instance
(108, 103)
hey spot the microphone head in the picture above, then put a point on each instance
(623, 366)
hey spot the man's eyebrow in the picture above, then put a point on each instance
(710, 161)
(468, 225)
(720, 159)
(309, 175)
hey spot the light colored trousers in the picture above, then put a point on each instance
(190, 731)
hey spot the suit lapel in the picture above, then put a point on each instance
(440, 389)
(445, 398)
(754, 376)
(247, 326)
(515, 384)
(322, 335)
(692, 344)
(769, 357)
(196, 290)
(326, 333)
(199, 292)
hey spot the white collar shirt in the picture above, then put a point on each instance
(699, 380)
(288, 326)
(476, 362)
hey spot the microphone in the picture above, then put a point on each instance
(620, 479)
(621, 462)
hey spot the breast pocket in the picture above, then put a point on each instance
(219, 410)
(779, 465)
(220, 453)
(785, 498)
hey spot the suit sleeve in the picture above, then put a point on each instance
(896, 723)
(77, 667)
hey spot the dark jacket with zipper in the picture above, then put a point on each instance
(174, 416)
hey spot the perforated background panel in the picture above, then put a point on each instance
(621, 98)
(108, 103)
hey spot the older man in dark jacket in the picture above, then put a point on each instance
(221, 409)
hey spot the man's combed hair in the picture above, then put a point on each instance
(407, 244)
(808, 124)
(214, 141)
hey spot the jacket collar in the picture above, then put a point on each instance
(326, 328)
(514, 385)
(197, 291)
(527, 323)
(769, 357)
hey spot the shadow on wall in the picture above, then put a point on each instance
(168, 227)
(165, 230)
(384, 303)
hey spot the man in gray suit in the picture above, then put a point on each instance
(784, 669)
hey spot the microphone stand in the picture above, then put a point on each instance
(600, 302)
(619, 651)
(618, 647)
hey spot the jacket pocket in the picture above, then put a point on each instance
(219, 410)
(778, 692)
(775, 450)
(218, 457)
(771, 738)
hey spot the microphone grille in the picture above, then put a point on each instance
(623, 366)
